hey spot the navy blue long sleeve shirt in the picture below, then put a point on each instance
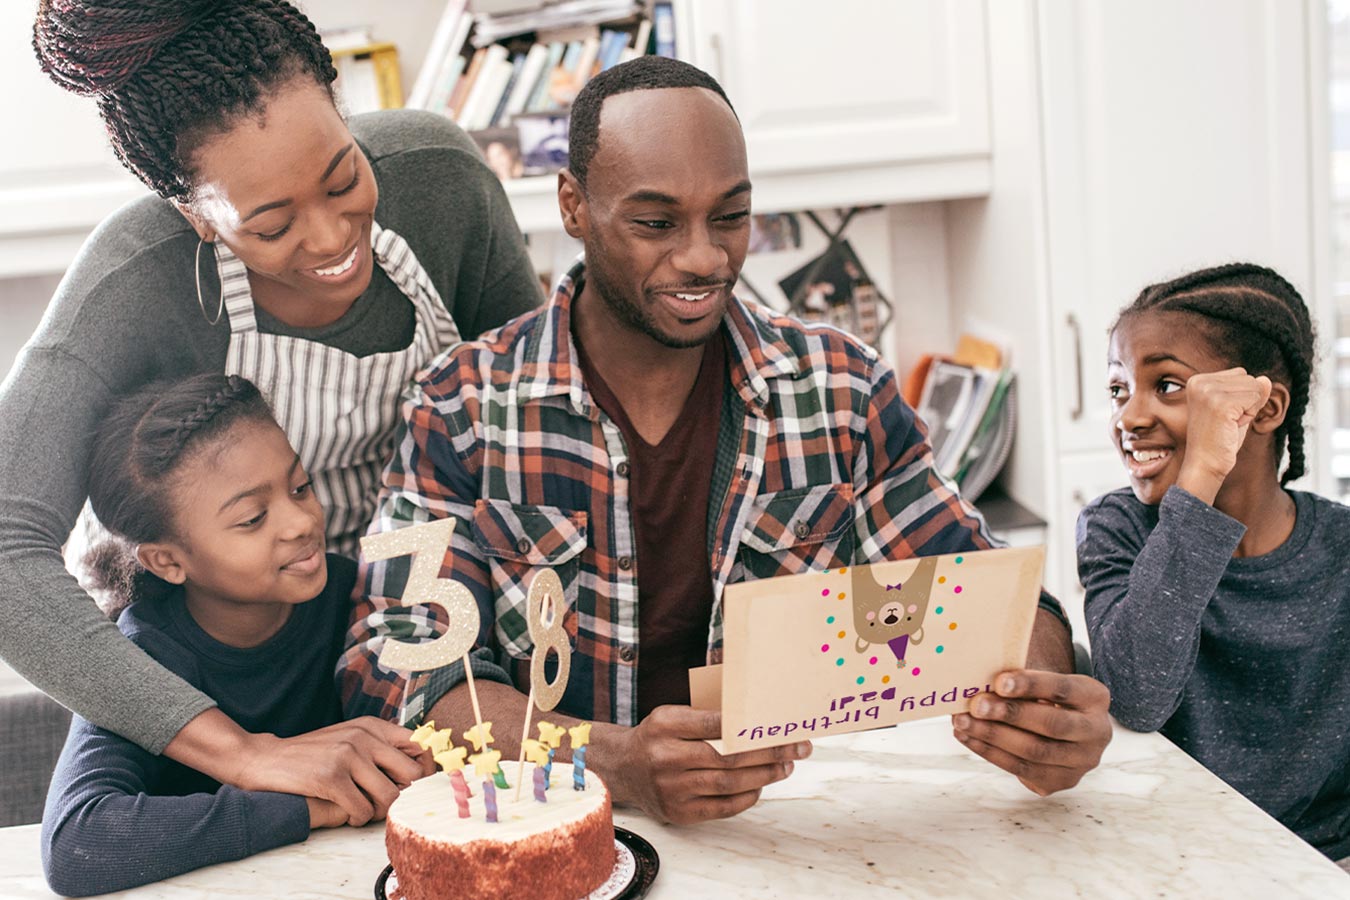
(117, 816)
(1244, 663)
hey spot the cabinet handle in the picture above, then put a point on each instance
(1077, 412)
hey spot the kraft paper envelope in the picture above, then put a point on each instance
(863, 647)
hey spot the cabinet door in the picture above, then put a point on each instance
(1176, 137)
(851, 82)
(1083, 478)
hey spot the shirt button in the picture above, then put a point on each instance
(523, 545)
(801, 530)
(623, 469)
(627, 654)
(625, 563)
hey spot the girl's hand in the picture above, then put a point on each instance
(1220, 407)
(359, 765)
(324, 814)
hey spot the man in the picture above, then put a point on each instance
(652, 439)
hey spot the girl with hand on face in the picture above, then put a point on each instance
(1218, 600)
(325, 260)
(217, 545)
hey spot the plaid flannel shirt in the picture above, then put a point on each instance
(819, 464)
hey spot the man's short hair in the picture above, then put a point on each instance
(645, 73)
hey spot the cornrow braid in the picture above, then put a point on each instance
(140, 445)
(168, 73)
(1257, 320)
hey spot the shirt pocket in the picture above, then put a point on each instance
(518, 541)
(799, 530)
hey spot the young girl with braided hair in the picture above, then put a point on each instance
(216, 564)
(1218, 599)
(326, 260)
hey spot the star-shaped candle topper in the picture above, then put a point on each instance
(535, 751)
(580, 734)
(439, 741)
(479, 735)
(422, 734)
(486, 763)
(451, 759)
(551, 734)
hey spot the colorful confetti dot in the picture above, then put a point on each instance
(872, 661)
(942, 579)
(830, 620)
(957, 589)
(938, 610)
(860, 679)
(951, 627)
(885, 679)
(842, 633)
(843, 570)
(825, 593)
(824, 648)
(938, 649)
(839, 661)
(915, 671)
(841, 595)
(959, 560)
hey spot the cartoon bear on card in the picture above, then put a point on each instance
(892, 614)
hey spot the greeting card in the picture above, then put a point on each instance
(864, 647)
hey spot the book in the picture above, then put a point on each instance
(450, 70)
(499, 109)
(465, 87)
(486, 89)
(529, 77)
(663, 24)
(953, 404)
(992, 442)
(612, 44)
(440, 55)
(539, 99)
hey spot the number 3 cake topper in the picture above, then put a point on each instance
(546, 610)
(428, 545)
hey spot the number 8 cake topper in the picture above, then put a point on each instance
(546, 609)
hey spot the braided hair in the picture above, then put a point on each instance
(167, 74)
(1253, 317)
(139, 447)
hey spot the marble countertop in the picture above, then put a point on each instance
(904, 812)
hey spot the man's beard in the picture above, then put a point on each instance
(633, 314)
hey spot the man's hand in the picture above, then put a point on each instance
(666, 767)
(1046, 728)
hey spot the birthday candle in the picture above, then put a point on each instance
(490, 799)
(551, 735)
(500, 778)
(451, 760)
(579, 768)
(461, 788)
(581, 736)
(540, 785)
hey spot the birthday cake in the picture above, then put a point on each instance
(562, 847)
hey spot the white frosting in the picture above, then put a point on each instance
(428, 806)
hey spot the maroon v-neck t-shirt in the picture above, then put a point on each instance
(669, 484)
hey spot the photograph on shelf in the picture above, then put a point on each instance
(835, 288)
(771, 232)
(501, 149)
(543, 143)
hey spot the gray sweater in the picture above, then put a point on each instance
(127, 313)
(1243, 663)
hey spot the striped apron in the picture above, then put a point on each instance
(340, 411)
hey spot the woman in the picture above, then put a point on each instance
(324, 261)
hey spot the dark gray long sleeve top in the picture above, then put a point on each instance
(127, 313)
(1243, 662)
(118, 817)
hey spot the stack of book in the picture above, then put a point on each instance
(969, 403)
(490, 72)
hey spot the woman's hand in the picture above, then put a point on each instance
(359, 765)
(1220, 407)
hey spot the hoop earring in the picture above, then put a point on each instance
(197, 273)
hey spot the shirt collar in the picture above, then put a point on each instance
(759, 351)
